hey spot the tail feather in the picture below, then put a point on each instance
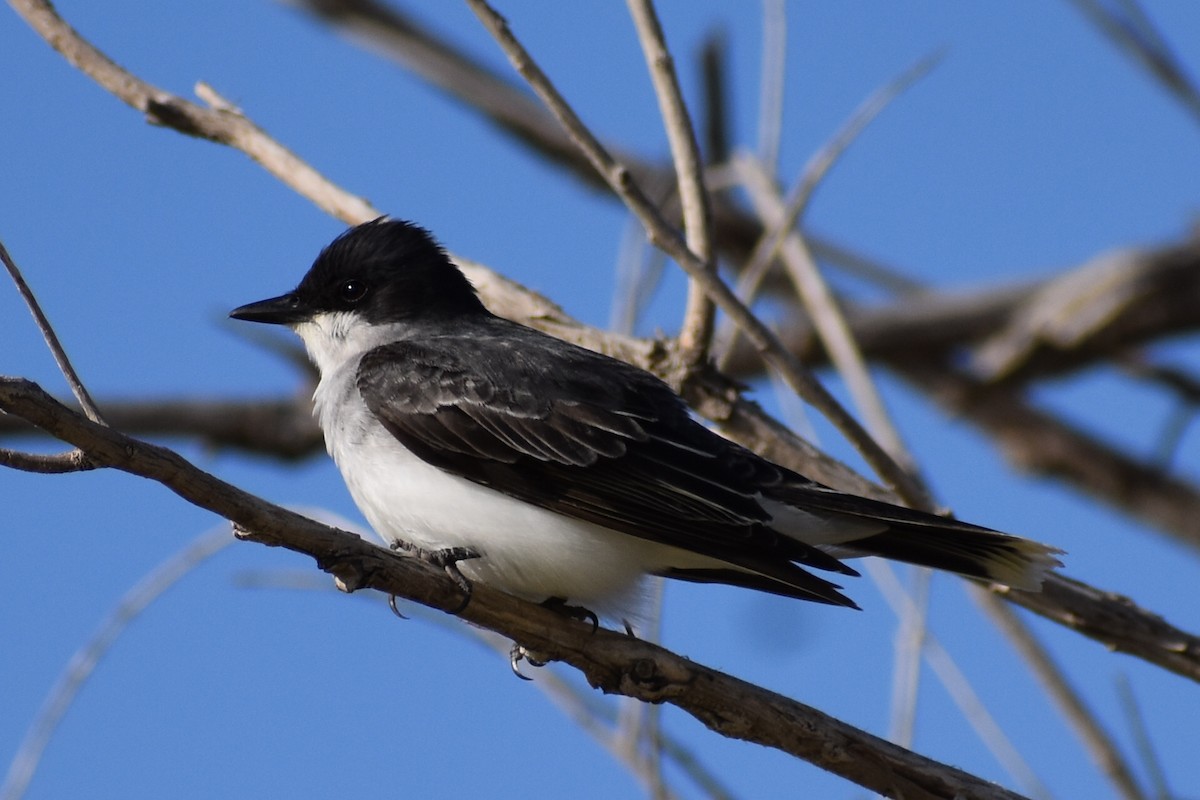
(974, 552)
(928, 540)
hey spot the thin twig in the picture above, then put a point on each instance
(47, 330)
(696, 332)
(911, 633)
(772, 74)
(831, 326)
(826, 157)
(57, 464)
(221, 125)
(665, 237)
(1141, 737)
(1071, 705)
(783, 226)
(1136, 36)
(964, 695)
(85, 660)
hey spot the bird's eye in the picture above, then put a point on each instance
(352, 291)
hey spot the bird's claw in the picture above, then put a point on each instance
(447, 558)
(559, 606)
(518, 654)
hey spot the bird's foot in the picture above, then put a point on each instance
(559, 606)
(447, 558)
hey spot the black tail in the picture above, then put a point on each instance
(928, 540)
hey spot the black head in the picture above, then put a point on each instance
(385, 270)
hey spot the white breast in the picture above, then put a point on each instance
(525, 550)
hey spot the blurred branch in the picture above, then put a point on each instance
(282, 427)
(667, 238)
(1134, 34)
(84, 661)
(1158, 287)
(610, 661)
(771, 81)
(1087, 726)
(1141, 736)
(956, 683)
(696, 331)
(1038, 442)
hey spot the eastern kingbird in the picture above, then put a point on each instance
(560, 473)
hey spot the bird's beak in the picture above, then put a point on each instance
(283, 310)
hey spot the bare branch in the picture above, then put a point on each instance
(696, 332)
(1083, 720)
(1038, 442)
(84, 661)
(825, 312)
(221, 125)
(1116, 621)
(665, 237)
(1137, 37)
(47, 330)
(73, 461)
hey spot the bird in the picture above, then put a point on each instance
(561, 475)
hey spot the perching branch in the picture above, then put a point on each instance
(610, 661)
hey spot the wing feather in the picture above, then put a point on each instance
(601, 442)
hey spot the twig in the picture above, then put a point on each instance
(823, 160)
(782, 222)
(84, 661)
(56, 348)
(830, 324)
(220, 125)
(696, 332)
(1039, 442)
(1137, 37)
(772, 74)
(911, 633)
(964, 695)
(613, 662)
(1071, 705)
(57, 464)
(665, 237)
(1141, 737)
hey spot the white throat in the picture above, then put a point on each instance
(333, 338)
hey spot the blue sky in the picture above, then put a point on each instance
(1032, 147)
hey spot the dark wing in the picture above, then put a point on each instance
(592, 438)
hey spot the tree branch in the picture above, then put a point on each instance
(666, 238)
(610, 661)
(696, 331)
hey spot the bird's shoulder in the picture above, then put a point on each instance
(509, 367)
(501, 391)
